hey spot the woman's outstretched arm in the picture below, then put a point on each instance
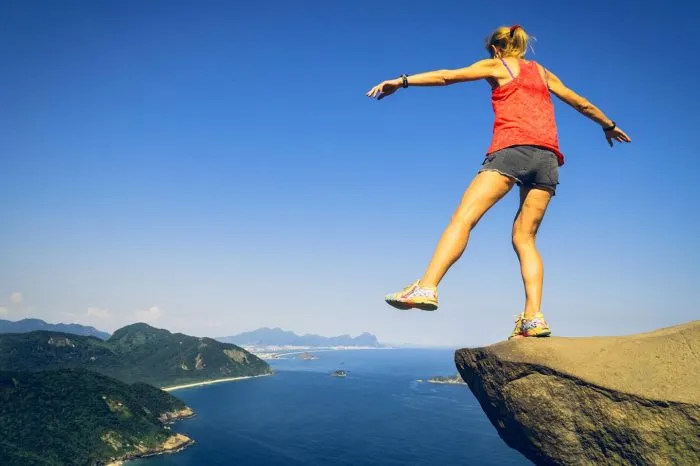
(480, 70)
(586, 108)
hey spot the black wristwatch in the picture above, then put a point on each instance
(405, 80)
(610, 128)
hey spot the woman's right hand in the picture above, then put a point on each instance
(616, 134)
(384, 89)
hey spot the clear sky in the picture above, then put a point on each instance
(213, 167)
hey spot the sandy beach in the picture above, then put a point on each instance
(211, 382)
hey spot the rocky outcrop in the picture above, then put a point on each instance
(449, 380)
(600, 400)
(174, 444)
(172, 416)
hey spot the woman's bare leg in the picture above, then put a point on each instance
(487, 188)
(533, 205)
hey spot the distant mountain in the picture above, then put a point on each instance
(136, 353)
(82, 418)
(278, 337)
(31, 325)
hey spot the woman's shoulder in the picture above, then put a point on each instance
(533, 63)
(541, 70)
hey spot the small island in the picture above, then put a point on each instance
(307, 356)
(339, 373)
(451, 380)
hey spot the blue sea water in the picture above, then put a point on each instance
(377, 415)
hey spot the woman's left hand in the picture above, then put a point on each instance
(384, 89)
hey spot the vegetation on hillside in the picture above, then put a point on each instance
(136, 353)
(78, 417)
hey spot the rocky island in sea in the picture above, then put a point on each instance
(307, 356)
(451, 380)
(339, 373)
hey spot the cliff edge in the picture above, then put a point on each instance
(598, 400)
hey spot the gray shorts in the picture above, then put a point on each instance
(529, 166)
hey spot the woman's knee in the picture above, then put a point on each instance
(466, 217)
(523, 240)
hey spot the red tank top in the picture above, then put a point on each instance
(524, 112)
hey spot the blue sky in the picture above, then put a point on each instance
(213, 167)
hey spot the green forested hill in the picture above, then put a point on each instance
(136, 353)
(77, 417)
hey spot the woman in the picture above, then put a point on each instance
(524, 150)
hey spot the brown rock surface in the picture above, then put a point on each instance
(598, 400)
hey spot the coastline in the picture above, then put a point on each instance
(211, 382)
(174, 444)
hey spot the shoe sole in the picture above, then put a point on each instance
(538, 335)
(425, 306)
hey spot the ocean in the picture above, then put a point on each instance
(378, 415)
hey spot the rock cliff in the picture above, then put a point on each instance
(599, 400)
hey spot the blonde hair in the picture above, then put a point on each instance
(511, 41)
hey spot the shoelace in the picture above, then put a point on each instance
(416, 290)
(534, 323)
(423, 292)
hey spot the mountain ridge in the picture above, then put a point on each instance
(266, 336)
(32, 325)
(135, 353)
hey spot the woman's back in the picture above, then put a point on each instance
(524, 113)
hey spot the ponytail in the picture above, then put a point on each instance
(511, 41)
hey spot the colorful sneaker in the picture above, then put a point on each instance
(414, 296)
(518, 330)
(535, 327)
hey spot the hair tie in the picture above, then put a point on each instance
(512, 29)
